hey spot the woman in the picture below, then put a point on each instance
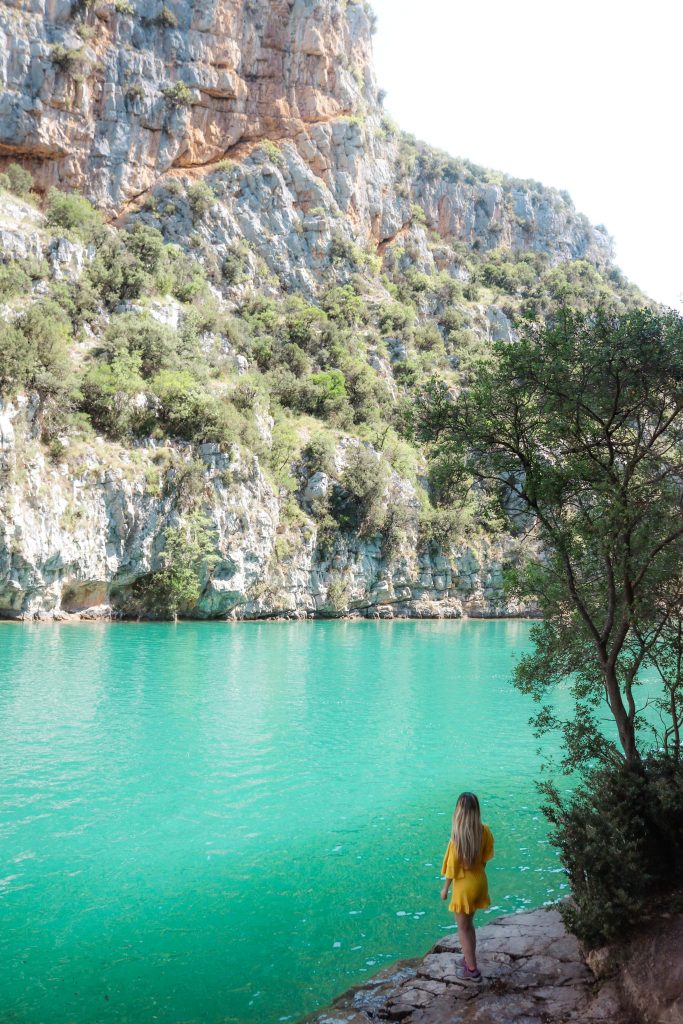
(469, 848)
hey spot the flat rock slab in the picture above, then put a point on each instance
(533, 971)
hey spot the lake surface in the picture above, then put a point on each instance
(213, 823)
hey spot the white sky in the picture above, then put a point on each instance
(585, 96)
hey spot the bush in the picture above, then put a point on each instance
(358, 501)
(72, 212)
(187, 411)
(187, 275)
(188, 555)
(17, 276)
(201, 198)
(318, 454)
(155, 344)
(343, 305)
(395, 318)
(166, 18)
(620, 837)
(177, 94)
(235, 263)
(19, 180)
(107, 392)
(67, 59)
(272, 152)
(34, 351)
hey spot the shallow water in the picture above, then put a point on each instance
(209, 823)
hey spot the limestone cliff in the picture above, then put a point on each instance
(249, 137)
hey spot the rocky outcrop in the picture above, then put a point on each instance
(273, 106)
(107, 97)
(534, 971)
(79, 528)
(113, 97)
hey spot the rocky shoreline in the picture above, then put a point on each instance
(534, 972)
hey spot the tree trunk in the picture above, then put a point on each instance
(625, 726)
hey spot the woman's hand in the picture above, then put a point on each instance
(444, 891)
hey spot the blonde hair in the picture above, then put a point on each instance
(467, 830)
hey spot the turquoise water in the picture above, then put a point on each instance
(211, 823)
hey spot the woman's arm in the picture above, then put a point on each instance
(445, 889)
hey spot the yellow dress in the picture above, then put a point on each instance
(470, 885)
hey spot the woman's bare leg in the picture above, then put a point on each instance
(468, 939)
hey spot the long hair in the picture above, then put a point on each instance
(467, 829)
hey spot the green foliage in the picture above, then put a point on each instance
(18, 276)
(395, 318)
(158, 346)
(201, 197)
(34, 351)
(187, 410)
(235, 263)
(67, 59)
(123, 7)
(272, 152)
(167, 18)
(188, 557)
(358, 501)
(71, 212)
(418, 215)
(620, 837)
(445, 527)
(178, 94)
(18, 180)
(131, 264)
(344, 306)
(318, 454)
(107, 392)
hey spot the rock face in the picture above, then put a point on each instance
(110, 98)
(273, 105)
(98, 110)
(533, 972)
(78, 530)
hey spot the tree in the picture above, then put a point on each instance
(576, 435)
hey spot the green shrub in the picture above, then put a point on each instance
(318, 454)
(34, 351)
(13, 280)
(345, 306)
(235, 263)
(72, 212)
(272, 152)
(19, 180)
(107, 390)
(620, 837)
(67, 59)
(357, 503)
(201, 198)
(166, 18)
(187, 275)
(418, 215)
(178, 94)
(123, 7)
(395, 317)
(147, 245)
(187, 410)
(158, 346)
(189, 555)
